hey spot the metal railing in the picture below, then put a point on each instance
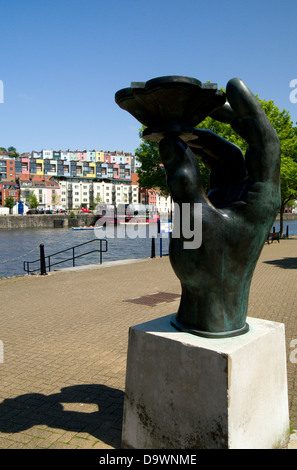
(46, 262)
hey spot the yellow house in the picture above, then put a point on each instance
(99, 156)
(92, 172)
(39, 166)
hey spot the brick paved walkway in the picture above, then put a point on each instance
(65, 339)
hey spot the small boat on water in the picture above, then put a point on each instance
(86, 228)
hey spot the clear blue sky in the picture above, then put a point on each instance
(63, 60)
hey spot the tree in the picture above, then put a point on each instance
(151, 174)
(32, 200)
(284, 126)
(9, 202)
(97, 200)
(12, 152)
(56, 199)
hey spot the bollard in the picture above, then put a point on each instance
(153, 251)
(42, 261)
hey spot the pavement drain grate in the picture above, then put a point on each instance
(154, 299)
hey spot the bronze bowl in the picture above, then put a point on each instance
(171, 104)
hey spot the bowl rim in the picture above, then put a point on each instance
(166, 80)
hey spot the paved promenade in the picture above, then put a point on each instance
(65, 338)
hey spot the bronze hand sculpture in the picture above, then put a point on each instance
(237, 213)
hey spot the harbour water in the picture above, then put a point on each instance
(17, 246)
(291, 224)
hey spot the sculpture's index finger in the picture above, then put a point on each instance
(224, 114)
(183, 176)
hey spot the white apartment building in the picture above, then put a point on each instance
(115, 193)
(103, 192)
(81, 193)
(75, 194)
(134, 193)
(163, 204)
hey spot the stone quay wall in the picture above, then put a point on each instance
(63, 220)
(45, 221)
(288, 216)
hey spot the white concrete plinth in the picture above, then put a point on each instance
(188, 392)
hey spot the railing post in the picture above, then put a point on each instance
(42, 261)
